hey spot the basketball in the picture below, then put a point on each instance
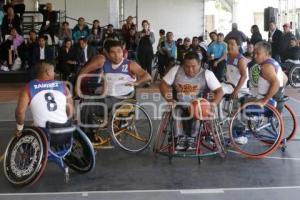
(200, 109)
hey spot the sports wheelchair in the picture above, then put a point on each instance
(65, 144)
(208, 141)
(265, 127)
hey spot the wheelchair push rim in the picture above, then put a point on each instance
(125, 130)
(294, 77)
(32, 151)
(262, 126)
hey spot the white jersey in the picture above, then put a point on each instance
(233, 73)
(47, 102)
(117, 79)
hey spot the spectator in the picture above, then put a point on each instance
(213, 37)
(201, 51)
(167, 54)
(162, 38)
(84, 52)
(235, 33)
(274, 38)
(39, 53)
(256, 36)
(132, 45)
(81, 30)
(184, 49)
(129, 25)
(217, 52)
(179, 42)
(287, 36)
(67, 61)
(31, 43)
(145, 40)
(10, 20)
(110, 34)
(1, 19)
(94, 38)
(249, 54)
(64, 32)
(96, 25)
(50, 24)
(292, 55)
(202, 43)
(19, 7)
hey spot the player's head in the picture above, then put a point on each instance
(44, 70)
(191, 64)
(262, 51)
(114, 50)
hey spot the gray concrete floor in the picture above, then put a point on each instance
(119, 175)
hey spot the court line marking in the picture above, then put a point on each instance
(270, 157)
(181, 191)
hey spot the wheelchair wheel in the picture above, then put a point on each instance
(294, 77)
(131, 127)
(290, 122)
(162, 133)
(254, 75)
(26, 157)
(82, 156)
(261, 129)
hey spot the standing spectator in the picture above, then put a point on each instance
(126, 30)
(64, 32)
(10, 20)
(50, 24)
(287, 36)
(67, 59)
(202, 43)
(19, 7)
(235, 33)
(145, 39)
(162, 38)
(213, 37)
(81, 30)
(167, 54)
(201, 51)
(256, 36)
(184, 49)
(132, 45)
(249, 54)
(274, 38)
(179, 42)
(84, 52)
(217, 52)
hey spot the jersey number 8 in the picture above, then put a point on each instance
(51, 104)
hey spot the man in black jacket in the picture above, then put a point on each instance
(286, 38)
(274, 38)
(50, 24)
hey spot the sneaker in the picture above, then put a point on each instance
(191, 144)
(4, 68)
(181, 144)
(241, 140)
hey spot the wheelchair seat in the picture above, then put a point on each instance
(58, 133)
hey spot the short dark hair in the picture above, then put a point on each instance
(65, 23)
(96, 20)
(220, 34)
(162, 32)
(82, 39)
(192, 55)
(113, 43)
(110, 25)
(235, 39)
(213, 33)
(42, 37)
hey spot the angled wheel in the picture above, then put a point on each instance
(82, 156)
(131, 127)
(260, 129)
(294, 77)
(26, 157)
(290, 123)
(162, 133)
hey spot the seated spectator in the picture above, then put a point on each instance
(10, 20)
(67, 61)
(50, 24)
(126, 28)
(31, 43)
(84, 52)
(249, 54)
(96, 25)
(132, 45)
(198, 49)
(39, 53)
(9, 50)
(179, 42)
(64, 32)
(94, 39)
(285, 39)
(292, 55)
(81, 30)
(184, 49)
(110, 34)
(19, 7)
(162, 38)
(167, 54)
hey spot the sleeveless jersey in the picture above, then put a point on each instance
(117, 79)
(233, 74)
(187, 88)
(47, 102)
(263, 84)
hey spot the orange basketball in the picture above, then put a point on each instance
(200, 109)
